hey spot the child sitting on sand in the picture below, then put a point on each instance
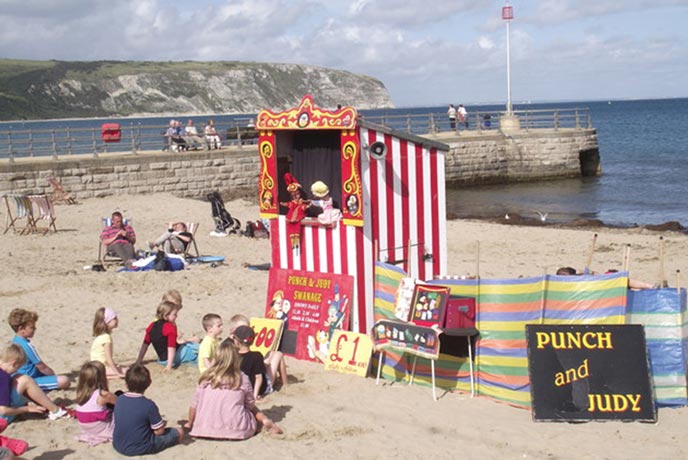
(92, 396)
(274, 360)
(23, 323)
(101, 350)
(17, 391)
(251, 361)
(162, 334)
(212, 324)
(139, 428)
(223, 405)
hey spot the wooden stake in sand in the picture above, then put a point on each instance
(626, 258)
(590, 254)
(661, 261)
(477, 259)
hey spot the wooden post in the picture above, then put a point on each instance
(627, 257)
(678, 283)
(661, 261)
(588, 262)
(477, 259)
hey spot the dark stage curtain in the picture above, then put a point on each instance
(316, 156)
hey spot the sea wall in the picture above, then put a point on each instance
(474, 157)
(494, 157)
(188, 174)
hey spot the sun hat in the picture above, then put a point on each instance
(109, 315)
(320, 189)
(244, 334)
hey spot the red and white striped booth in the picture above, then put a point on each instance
(388, 184)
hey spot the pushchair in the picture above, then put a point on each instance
(224, 223)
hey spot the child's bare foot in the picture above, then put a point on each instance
(271, 427)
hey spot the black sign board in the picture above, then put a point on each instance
(580, 373)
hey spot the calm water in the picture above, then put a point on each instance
(643, 148)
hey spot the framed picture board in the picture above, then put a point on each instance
(429, 305)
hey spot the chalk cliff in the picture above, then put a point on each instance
(57, 89)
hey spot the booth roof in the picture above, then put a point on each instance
(402, 135)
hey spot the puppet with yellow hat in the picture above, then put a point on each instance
(321, 198)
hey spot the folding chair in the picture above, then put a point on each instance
(191, 227)
(59, 194)
(103, 255)
(22, 210)
(42, 209)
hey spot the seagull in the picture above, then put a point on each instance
(506, 216)
(543, 216)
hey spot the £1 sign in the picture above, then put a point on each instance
(349, 353)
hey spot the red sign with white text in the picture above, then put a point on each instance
(312, 305)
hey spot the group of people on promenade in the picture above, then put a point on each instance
(457, 113)
(188, 138)
(222, 404)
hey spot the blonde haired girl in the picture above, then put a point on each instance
(162, 333)
(104, 322)
(223, 406)
(93, 396)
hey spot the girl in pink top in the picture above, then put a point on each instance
(92, 396)
(223, 405)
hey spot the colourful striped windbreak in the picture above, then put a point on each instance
(504, 307)
(663, 313)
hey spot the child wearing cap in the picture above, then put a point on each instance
(252, 363)
(101, 350)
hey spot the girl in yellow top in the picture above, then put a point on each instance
(101, 349)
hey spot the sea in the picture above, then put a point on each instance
(644, 156)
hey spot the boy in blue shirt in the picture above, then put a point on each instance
(139, 428)
(23, 323)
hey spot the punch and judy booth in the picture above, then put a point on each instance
(388, 185)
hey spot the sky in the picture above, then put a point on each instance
(425, 52)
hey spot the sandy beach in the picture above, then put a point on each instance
(323, 414)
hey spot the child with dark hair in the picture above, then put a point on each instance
(252, 363)
(139, 428)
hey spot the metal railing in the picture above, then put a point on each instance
(420, 124)
(135, 137)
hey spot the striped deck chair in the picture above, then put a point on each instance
(59, 194)
(191, 227)
(42, 209)
(103, 255)
(18, 208)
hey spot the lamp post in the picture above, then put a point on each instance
(509, 121)
(508, 15)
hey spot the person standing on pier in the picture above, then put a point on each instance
(463, 115)
(452, 116)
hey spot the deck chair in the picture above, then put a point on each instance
(59, 194)
(41, 209)
(192, 247)
(191, 227)
(103, 255)
(18, 208)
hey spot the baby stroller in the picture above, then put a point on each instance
(224, 222)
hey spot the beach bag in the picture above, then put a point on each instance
(256, 229)
(160, 264)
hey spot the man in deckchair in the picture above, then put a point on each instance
(119, 239)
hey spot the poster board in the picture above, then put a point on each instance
(407, 338)
(268, 334)
(349, 353)
(312, 305)
(429, 305)
(586, 372)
